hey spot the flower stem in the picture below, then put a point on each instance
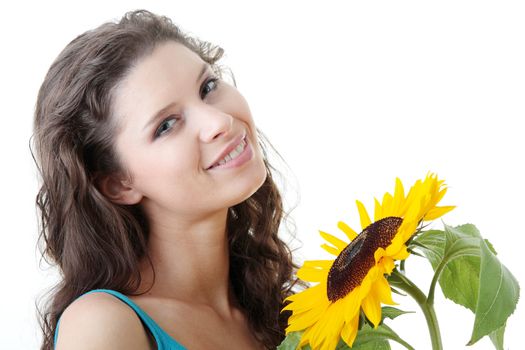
(427, 306)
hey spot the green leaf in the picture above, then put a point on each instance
(459, 278)
(458, 271)
(392, 312)
(432, 244)
(379, 344)
(369, 338)
(471, 275)
(291, 341)
(498, 295)
(497, 338)
(395, 291)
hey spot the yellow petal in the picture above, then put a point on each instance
(365, 219)
(327, 324)
(402, 254)
(314, 335)
(406, 230)
(387, 204)
(330, 342)
(379, 253)
(438, 212)
(396, 244)
(325, 264)
(310, 295)
(384, 291)
(367, 282)
(407, 203)
(332, 332)
(351, 305)
(339, 244)
(349, 332)
(306, 319)
(399, 196)
(330, 249)
(321, 325)
(372, 308)
(305, 338)
(413, 212)
(351, 234)
(441, 194)
(388, 264)
(378, 212)
(312, 274)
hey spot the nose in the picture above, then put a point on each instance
(211, 122)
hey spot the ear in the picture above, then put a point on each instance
(118, 191)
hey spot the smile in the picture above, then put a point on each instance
(233, 154)
(240, 155)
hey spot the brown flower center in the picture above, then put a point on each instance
(351, 266)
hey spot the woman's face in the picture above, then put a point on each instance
(175, 123)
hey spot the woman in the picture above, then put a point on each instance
(157, 201)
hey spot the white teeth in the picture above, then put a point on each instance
(233, 154)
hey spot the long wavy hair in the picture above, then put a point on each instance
(96, 243)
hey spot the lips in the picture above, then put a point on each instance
(231, 146)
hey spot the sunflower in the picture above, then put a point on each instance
(356, 280)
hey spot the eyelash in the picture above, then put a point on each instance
(159, 132)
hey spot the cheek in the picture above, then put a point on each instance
(234, 103)
(246, 113)
(163, 171)
(170, 167)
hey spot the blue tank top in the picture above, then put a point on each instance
(164, 340)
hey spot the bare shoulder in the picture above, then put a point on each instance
(100, 321)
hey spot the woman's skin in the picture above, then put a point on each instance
(185, 201)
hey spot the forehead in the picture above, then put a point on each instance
(157, 79)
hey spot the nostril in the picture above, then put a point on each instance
(219, 134)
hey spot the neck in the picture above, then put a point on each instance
(191, 262)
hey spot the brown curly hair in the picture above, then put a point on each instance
(98, 244)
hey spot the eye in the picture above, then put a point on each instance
(165, 126)
(206, 87)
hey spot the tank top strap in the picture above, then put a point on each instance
(164, 340)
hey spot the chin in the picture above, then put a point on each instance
(248, 189)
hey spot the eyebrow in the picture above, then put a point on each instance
(163, 110)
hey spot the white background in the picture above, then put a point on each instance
(351, 95)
